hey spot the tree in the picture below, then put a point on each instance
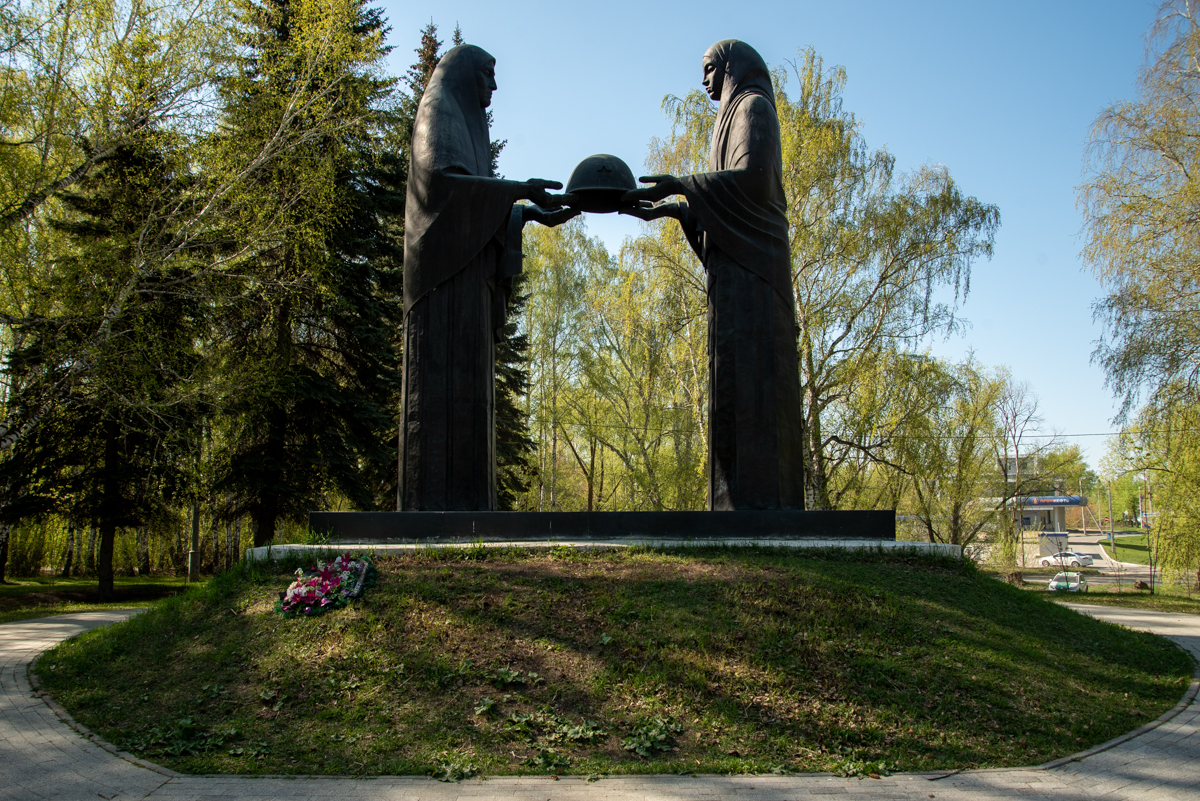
(1158, 458)
(634, 361)
(1140, 201)
(556, 267)
(81, 78)
(115, 444)
(951, 459)
(84, 76)
(870, 249)
(310, 351)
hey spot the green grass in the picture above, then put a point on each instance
(1129, 549)
(25, 598)
(1161, 601)
(624, 661)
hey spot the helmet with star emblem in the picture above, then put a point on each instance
(598, 182)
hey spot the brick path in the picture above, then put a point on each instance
(41, 757)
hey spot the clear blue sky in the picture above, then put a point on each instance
(1002, 94)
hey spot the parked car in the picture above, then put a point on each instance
(1070, 582)
(1064, 558)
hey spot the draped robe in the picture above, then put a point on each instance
(459, 251)
(740, 232)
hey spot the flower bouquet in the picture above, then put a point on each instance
(326, 586)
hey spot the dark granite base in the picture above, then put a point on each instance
(534, 526)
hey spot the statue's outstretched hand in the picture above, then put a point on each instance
(662, 186)
(648, 211)
(536, 191)
(548, 218)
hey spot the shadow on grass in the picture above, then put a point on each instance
(766, 659)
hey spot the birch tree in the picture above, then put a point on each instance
(1141, 206)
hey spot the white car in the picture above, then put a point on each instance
(1070, 582)
(1064, 558)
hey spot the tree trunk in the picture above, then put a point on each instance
(216, 545)
(104, 560)
(816, 483)
(143, 541)
(67, 563)
(5, 533)
(110, 507)
(194, 546)
(600, 482)
(90, 561)
(591, 476)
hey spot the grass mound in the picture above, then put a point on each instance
(498, 662)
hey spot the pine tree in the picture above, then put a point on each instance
(311, 351)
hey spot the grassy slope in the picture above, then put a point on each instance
(764, 660)
(1133, 550)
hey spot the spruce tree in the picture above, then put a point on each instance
(310, 357)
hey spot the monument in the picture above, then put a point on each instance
(461, 251)
(462, 229)
(735, 218)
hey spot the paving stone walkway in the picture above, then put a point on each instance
(42, 757)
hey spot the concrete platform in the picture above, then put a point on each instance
(401, 527)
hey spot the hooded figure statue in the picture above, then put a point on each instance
(461, 250)
(735, 219)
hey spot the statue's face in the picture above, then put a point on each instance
(485, 80)
(714, 77)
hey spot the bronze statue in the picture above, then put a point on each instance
(461, 249)
(735, 218)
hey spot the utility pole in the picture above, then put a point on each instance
(1111, 542)
(1083, 515)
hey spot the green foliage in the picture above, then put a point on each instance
(656, 734)
(82, 78)
(950, 455)
(618, 392)
(1159, 457)
(870, 250)
(107, 372)
(309, 349)
(1139, 200)
(185, 280)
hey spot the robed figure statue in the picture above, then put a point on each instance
(461, 249)
(735, 218)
